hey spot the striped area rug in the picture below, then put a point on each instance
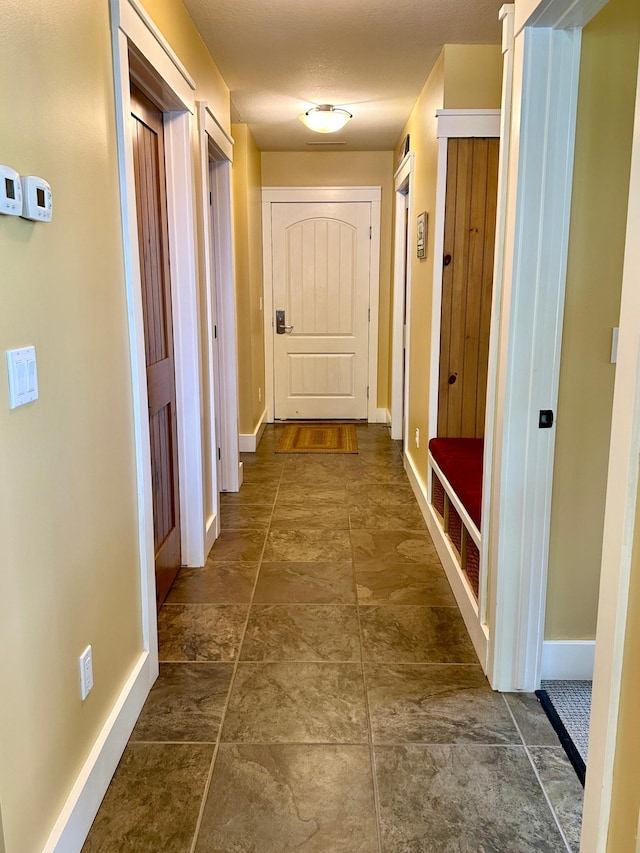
(318, 438)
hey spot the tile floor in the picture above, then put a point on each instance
(318, 690)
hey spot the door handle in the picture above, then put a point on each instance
(281, 326)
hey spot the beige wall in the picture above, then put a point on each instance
(247, 206)
(68, 508)
(625, 803)
(608, 70)
(68, 517)
(464, 77)
(347, 169)
(481, 89)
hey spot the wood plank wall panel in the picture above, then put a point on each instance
(469, 236)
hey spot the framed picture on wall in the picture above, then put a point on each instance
(423, 232)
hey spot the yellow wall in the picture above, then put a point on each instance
(625, 803)
(70, 570)
(347, 169)
(481, 89)
(422, 129)
(464, 77)
(68, 517)
(247, 207)
(608, 70)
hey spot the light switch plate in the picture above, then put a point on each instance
(23, 376)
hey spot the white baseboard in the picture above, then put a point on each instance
(568, 659)
(248, 442)
(387, 417)
(462, 592)
(212, 531)
(74, 822)
(380, 417)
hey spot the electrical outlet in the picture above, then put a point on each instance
(417, 437)
(86, 672)
(259, 395)
(261, 303)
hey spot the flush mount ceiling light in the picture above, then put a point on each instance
(325, 118)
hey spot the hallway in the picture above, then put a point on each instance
(318, 690)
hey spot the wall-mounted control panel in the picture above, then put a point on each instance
(28, 196)
(37, 201)
(10, 192)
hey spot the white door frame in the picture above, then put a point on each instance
(402, 256)
(538, 205)
(216, 157)
(141, 53)
(373, 195)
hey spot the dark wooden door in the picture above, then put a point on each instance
(467, 280)
(151, 205)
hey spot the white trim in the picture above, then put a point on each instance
(267, 290)
(436, 295)
(568, 659)
(381, 416)
(223, 265)
(372, 195)
(460, 587)
(538, 213)
(459, 507)
(216, 132)
(401, 274)
(186, 334)
(175, 82)
(136, 345)
(506, 15)
(465, 123)
(82, 804)
(151, 28)
(619, 530)
(558, 14)
(249, 441)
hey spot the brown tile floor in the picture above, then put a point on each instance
(318, 690)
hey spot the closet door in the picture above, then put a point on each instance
(467, 279)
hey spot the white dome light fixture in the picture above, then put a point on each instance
(325, 118)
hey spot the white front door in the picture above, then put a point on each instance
(321, 261)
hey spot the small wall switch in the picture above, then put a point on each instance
(259, 395)
(614, 345)
(417, 437)
(23, 376)
(86, 672)
(261, 303)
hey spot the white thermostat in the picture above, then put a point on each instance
(10, 192)
(37, 201)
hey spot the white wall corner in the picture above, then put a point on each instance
(568, 659)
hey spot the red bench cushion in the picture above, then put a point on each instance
(460, 460)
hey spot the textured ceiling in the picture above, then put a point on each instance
(280, 57)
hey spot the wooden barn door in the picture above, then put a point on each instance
(151, 206)
(467, 278)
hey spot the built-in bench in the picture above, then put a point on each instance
(456, 496)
